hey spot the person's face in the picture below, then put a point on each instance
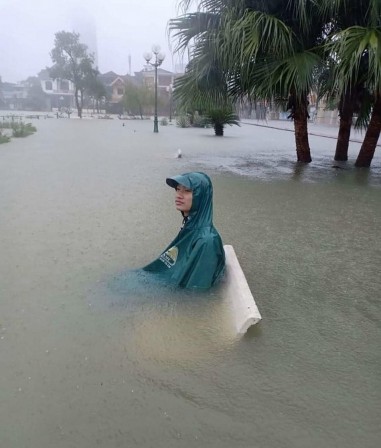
(183, 199)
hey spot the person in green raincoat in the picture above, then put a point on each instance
(196, 257)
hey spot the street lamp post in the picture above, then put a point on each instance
(170, 91)
(157, 60)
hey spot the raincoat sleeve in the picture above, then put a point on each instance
(204, 265)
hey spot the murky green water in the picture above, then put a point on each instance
(86, 364)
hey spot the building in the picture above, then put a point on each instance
(12, 95)
(115, 87)
(59, 92)
(165, 78)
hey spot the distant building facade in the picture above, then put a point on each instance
(165, 78)
(12, 95)
(59, 92)
(115, 87)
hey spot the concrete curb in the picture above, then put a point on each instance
(238, 295)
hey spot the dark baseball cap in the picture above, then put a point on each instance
(181, 179)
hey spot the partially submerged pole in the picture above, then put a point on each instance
(237, 293)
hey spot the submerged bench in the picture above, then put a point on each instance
(237, 294)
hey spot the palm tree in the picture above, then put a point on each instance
(266, 50)
(354, 98)
(357, 48)
(204, 86)
(284, 44)
(368, 147)
(221, 117)
(353, 45)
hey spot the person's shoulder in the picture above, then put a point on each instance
(206, 236)
(208, 239)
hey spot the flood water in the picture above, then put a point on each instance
(87, 361)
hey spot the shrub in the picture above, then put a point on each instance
(22, 129)
(221, 117)
(199, 121)
(4, 138)
(6, 124)
(183, 121)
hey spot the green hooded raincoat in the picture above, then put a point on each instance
(195, 258)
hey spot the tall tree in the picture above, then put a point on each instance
(2, 102)
(74, 63)
(267, 50)
(358, 51)
(354, 98)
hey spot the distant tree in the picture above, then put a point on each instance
(74, 63)
(138, 99)
(2, 102)
(358, 50)
(36, 97)
(345, 84)
(97, 90)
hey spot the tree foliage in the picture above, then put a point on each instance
(73, 62)
(260, 50)
(36, 97)
(218, 118)
(97, 91)
(355, 45)
(138, 99)
(277, 50)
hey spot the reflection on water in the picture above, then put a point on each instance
(136, 286)
(168, 319)
(92, 357)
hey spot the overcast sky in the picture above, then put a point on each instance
(116, 27)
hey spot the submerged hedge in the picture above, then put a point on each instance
(19, 129)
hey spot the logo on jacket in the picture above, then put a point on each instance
(170, 256)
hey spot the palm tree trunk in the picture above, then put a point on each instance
(219, 130)
(303, 151)
(346, 116)
(365, 156)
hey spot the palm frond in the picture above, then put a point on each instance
(190, 26)
(222, 116)
(364, 111)
(272, 76)
(252, 33)
(351, 46)
(206, 5)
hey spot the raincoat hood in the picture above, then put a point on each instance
(195, 258)
(201, 212)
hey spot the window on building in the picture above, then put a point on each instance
(48, 85)
(65, 86)
(120, 91)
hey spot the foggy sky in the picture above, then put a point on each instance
(117, 27)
